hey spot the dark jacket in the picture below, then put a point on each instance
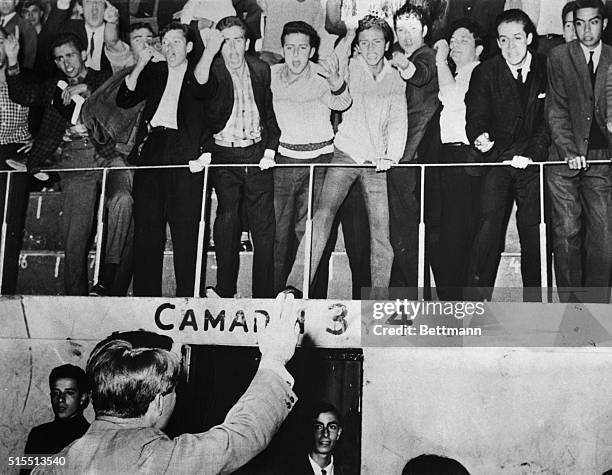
(493, 105)
(190, 113)
(571, 103)
(219, 95)
(422, 99)
(53, 123)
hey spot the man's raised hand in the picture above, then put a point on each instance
(11, 47)
(277, 341)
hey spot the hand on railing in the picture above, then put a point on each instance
(383, 164)
(577, 163)
(266, 162)
(197, 165)
(518, 161)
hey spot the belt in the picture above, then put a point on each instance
(237, 143)
(160, 128)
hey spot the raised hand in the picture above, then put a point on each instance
(399, 60)
(213, 40)
(278, 339)
(111, 13)
(11, 47)
(442, 50)
(330, 70)
(144, 56)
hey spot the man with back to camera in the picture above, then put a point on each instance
(505, 122)
(581, 194)
(127, 437)
(69, 398)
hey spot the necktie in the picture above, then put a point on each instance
(323, 472)
(91, 46)
(519, 75)
(591, 66)
(2, 21)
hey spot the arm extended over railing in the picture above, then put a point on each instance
(308, 232)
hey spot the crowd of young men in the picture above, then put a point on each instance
(196, 97)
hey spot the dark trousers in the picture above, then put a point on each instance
(80, 193)
(256, 188)
(172, 196)
(15, 218)
(582, 231)
(453, 198)
(500, 187)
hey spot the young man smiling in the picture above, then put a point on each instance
(304, 93)
(505, 122)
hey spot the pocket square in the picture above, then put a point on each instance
(542, 95)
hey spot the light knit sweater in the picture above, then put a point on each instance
(376, 124)
(302, 107)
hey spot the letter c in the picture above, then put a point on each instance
(158, 322)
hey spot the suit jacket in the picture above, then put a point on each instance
(59, 22)
(53, 124)
(422, 99)
(190, 113)
(219, 95)
(493, 105)
(301, 466)
(116, 447)
(28, 40)
(572, 104)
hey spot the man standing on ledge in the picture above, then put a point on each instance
(133, 394)
(581, 194)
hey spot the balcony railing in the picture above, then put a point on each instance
(545, 281)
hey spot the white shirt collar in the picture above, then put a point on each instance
(596, 53)
(525, 67)
(329, 469)
(7, 18)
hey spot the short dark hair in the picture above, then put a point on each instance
(598, 4)
(140, 25)
(32, 3)
(67, 39)
(177, 26)
(568, 7)
(415, 11)
(322, 407)
(369, 22)
(70, 371)
(302, 27)
(515, 16)
(471, 26)
(229, 21)
(426, 464)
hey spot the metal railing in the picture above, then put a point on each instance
(308, 229)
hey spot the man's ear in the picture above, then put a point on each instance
(529, 39)
(312, 52)
(425, 31)
(84, 55)
(479, 50)
(189, 46)
(84, 400)
(605, 23)
(339, 432)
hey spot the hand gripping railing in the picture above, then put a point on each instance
(308, 230)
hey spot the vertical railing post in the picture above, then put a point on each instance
(201, 235)
(308, 234)
(100, 228)
(4, 227)
(421, 269)
(543, 240)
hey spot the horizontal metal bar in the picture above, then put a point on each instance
(299, 165)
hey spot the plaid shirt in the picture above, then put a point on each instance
(53, 125)
(13, 119)
(244, 121)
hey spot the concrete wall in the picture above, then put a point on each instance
(497, 410)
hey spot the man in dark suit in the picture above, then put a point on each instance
(90, 30)
(240, 112)
(416, 62)
(580, 194)
(65, 142)
(14, 24)
(170, 131)
(505, 122)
